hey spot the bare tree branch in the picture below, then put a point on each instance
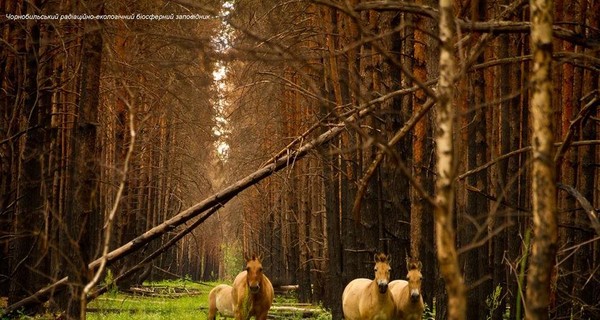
(576, 123)
(493, 26)
(585, 204)
(363, 182)
(113, 212)
(519, 151)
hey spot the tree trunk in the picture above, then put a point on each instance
(565, 167)
(25, 255)
(543, 254)
(421, 140)
(475, 261)
(474, 215)
(588, 185)
(444, 217)
(81, 234)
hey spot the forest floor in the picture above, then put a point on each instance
(182, 300)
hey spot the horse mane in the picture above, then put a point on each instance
(254, 257)
(382, 257)
(413, 264)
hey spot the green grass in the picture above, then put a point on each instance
(172, 304)
(177, 299)
(116, 306)
(127, 307)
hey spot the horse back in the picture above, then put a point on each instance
(351, 297)
(396, 287)
(225, 301)
(220, 300)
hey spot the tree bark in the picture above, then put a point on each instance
(475, 261)
(443, 211)
(81, 234)
(543, 254)
(421, 140)
(25, 251)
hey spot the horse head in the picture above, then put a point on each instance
(382, 271)
(254, 273)
(414, 278)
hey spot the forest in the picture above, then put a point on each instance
(160, 139)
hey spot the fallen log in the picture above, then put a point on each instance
(157, 253)
(296, 309)
(288, 311)
(285, 288)
(293, 312)
(170, 295)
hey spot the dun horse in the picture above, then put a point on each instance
(365, 299)
(407, 294)
(252, 292)
(219, 299)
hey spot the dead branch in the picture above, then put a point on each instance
(519, 151)
(493, 26)
(362, 184)
(113, 211)
(585, 204)
(583, 114)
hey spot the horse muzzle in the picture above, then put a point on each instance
(414, 296)
(254, 288)
(383, 286)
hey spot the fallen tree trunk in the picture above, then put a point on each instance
(287, 312)
(217, 199)
(157, 252)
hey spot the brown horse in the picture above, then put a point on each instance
(252, 292)
(219, 299)
(365, 299)
(407, 294)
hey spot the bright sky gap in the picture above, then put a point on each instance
(222, 43)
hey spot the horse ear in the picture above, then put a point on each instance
(389, 258)
(419, 265)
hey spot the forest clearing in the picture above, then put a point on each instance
(183, 299)
(384, 159)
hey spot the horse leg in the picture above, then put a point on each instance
(238, 314)
(212, 307)
(262, 315)
(211, 314)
